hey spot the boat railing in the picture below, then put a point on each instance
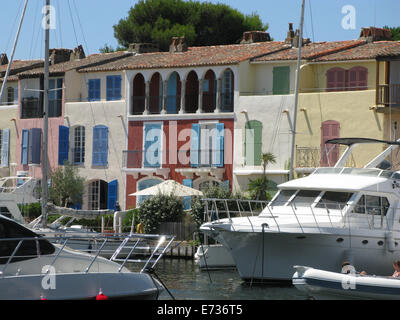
(155, 247)
(301, 215)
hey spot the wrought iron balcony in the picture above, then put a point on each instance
(310, 157)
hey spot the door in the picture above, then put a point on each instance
(329, 152)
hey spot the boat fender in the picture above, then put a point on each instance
(390, 243)
(101, 296)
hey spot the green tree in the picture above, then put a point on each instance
(395, 32)
(259, 187)
(67, 187)
(157, 21)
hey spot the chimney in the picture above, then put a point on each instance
(255, 36)
(3, 59)
(178, 44)
(292, 37)
(375, 34)
(143, 47)
(59, 55)
(77, 54)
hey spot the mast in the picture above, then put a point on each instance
(13, 51)
(45, 115)
(296, 93)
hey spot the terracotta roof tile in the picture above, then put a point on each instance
(367, 51)
(310, 50)
(90, 60)
(194, 56)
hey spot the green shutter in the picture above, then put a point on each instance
(281, 82)
(253, 143)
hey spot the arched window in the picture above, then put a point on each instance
(156, 94)
(357, 78)
(144, 184)
(192, 93)
(209, 91)
(253, 143)
(139, 95)
(173, 93)
(336, 79)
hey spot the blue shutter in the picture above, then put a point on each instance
(5, 147)
(112, 194)
(117, 88)
(195, 145)
(218, 152)
(100, 146)
(36, 143)
(152, 145)
(63, 144)
(94, 90)
(114, 87)
(187, 201)
(24, 146)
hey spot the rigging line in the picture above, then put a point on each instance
(59, 21)
(34, 29)
(80, 25)
(13, 25)
(72, 21)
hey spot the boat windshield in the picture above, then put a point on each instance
(334, 200)
(283, 197)
(305, 198)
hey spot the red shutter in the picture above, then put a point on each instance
(329, 130)
(335, 79)
(358, 78)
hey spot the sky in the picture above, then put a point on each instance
(90, 22)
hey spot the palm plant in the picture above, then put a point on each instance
(258, 188)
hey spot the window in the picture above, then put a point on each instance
(372, 205)
(227, 91)
(305, 198)
(12, 95)
(5, 147)
(283, 197)
(253, 143)
(281, 80)
(94, 90)
(97, 195)
(100, 146)
(55, 97)
(207, 145)
(113, 87)
(334, 200)
(28, 249)
(152, 145)
(339, 79)
(79, 145)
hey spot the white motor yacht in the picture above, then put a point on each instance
(31, 268)
(332, 215)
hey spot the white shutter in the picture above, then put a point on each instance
(5, 147)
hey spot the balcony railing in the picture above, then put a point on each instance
(134, 159)
(310, 157)
(388, 94)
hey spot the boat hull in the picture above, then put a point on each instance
(272, 255)
(80, 286)
(214, 257)
(324, 285)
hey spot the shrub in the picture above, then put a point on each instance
(157, 209)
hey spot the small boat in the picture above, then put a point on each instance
(214, 256)
(33, 268)
(327, 285)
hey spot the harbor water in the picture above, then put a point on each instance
(186, 281)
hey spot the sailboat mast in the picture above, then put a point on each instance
(45, 115)
(296, 93)
(13, 51)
